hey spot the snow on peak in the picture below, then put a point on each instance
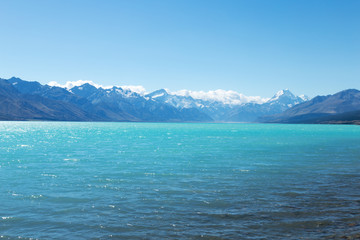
(287, 98)
(282, 93)
(138, 89)
(158, 93)
(228, 97)
(71, 84)
(304, 97)
(224, 96)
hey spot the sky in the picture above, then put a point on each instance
(253, 47)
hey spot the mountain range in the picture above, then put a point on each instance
(25, 100)
(342, 107)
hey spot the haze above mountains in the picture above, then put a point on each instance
(86, 101)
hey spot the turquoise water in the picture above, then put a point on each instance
(62, 180)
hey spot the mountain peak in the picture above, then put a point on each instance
(304, 97)
(348, 91)
(281, 94)
(15, 79)
(158, 93)
(323, 109)
(286, 98)
(85, 86)
(71, 84)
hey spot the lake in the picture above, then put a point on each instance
(73, 180)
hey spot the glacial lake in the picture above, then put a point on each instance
(73, 180)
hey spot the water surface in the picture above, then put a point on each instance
(178, 181)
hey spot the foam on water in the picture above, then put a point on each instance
(178, 181)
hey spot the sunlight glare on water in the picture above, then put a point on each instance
(178, 181)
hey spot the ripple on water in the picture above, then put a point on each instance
(200, 181)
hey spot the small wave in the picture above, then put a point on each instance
(242, 170)
(23, 145)
(16, 195)
(71, 159)
(49, 175)
(18, 237)
(36, 196)
(149, 174)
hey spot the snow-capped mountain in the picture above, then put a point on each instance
(341, 107)
(87, 101)
(285, 98)
(113, 100)
(251, 112)
(179, 102)
(234, 107)
(103, 104)
(227, 97)
(218, 105)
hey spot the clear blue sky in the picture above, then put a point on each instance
(254, 47)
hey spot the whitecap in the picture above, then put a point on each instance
(23, 145)
(36, 196)
(71, 159)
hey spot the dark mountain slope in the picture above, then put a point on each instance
(320, 108)
(23, 100)
(88, 103)
(18, 106)
(352, 117)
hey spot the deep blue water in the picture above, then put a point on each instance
(61, 180)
